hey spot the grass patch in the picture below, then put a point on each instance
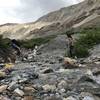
(37, 41)
(90, 37)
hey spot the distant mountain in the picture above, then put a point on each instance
(81, 15)
(8, 24)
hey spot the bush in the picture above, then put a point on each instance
(4, 43)
(89, 38)
(81, 51)
(37, 41)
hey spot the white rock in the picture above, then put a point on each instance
(48, 87)
(89, 72)
(97, 62)
(62, 90)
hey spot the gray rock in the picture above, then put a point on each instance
(19, 92)
(12, 85)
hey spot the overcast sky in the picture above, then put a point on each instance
(21, 11)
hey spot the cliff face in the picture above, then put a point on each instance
(84, 14)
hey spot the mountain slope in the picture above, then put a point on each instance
(84, 14)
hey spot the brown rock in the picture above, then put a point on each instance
(70, 63)
(3, 88)
(29, 89)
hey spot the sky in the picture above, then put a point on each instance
(22, 11)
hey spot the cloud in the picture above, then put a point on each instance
(29, 10)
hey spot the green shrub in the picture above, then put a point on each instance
(81, 51)
(89, 38)
(4, 43)
(36, 41)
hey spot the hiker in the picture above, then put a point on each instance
(70, 45)
(15, 45)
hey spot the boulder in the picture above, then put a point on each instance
(70, 63)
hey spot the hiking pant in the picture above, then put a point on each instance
(71, 51)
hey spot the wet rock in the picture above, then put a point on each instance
(3, 88)
(19, 92)
(48, 87)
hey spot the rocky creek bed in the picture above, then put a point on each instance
(45, 78)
